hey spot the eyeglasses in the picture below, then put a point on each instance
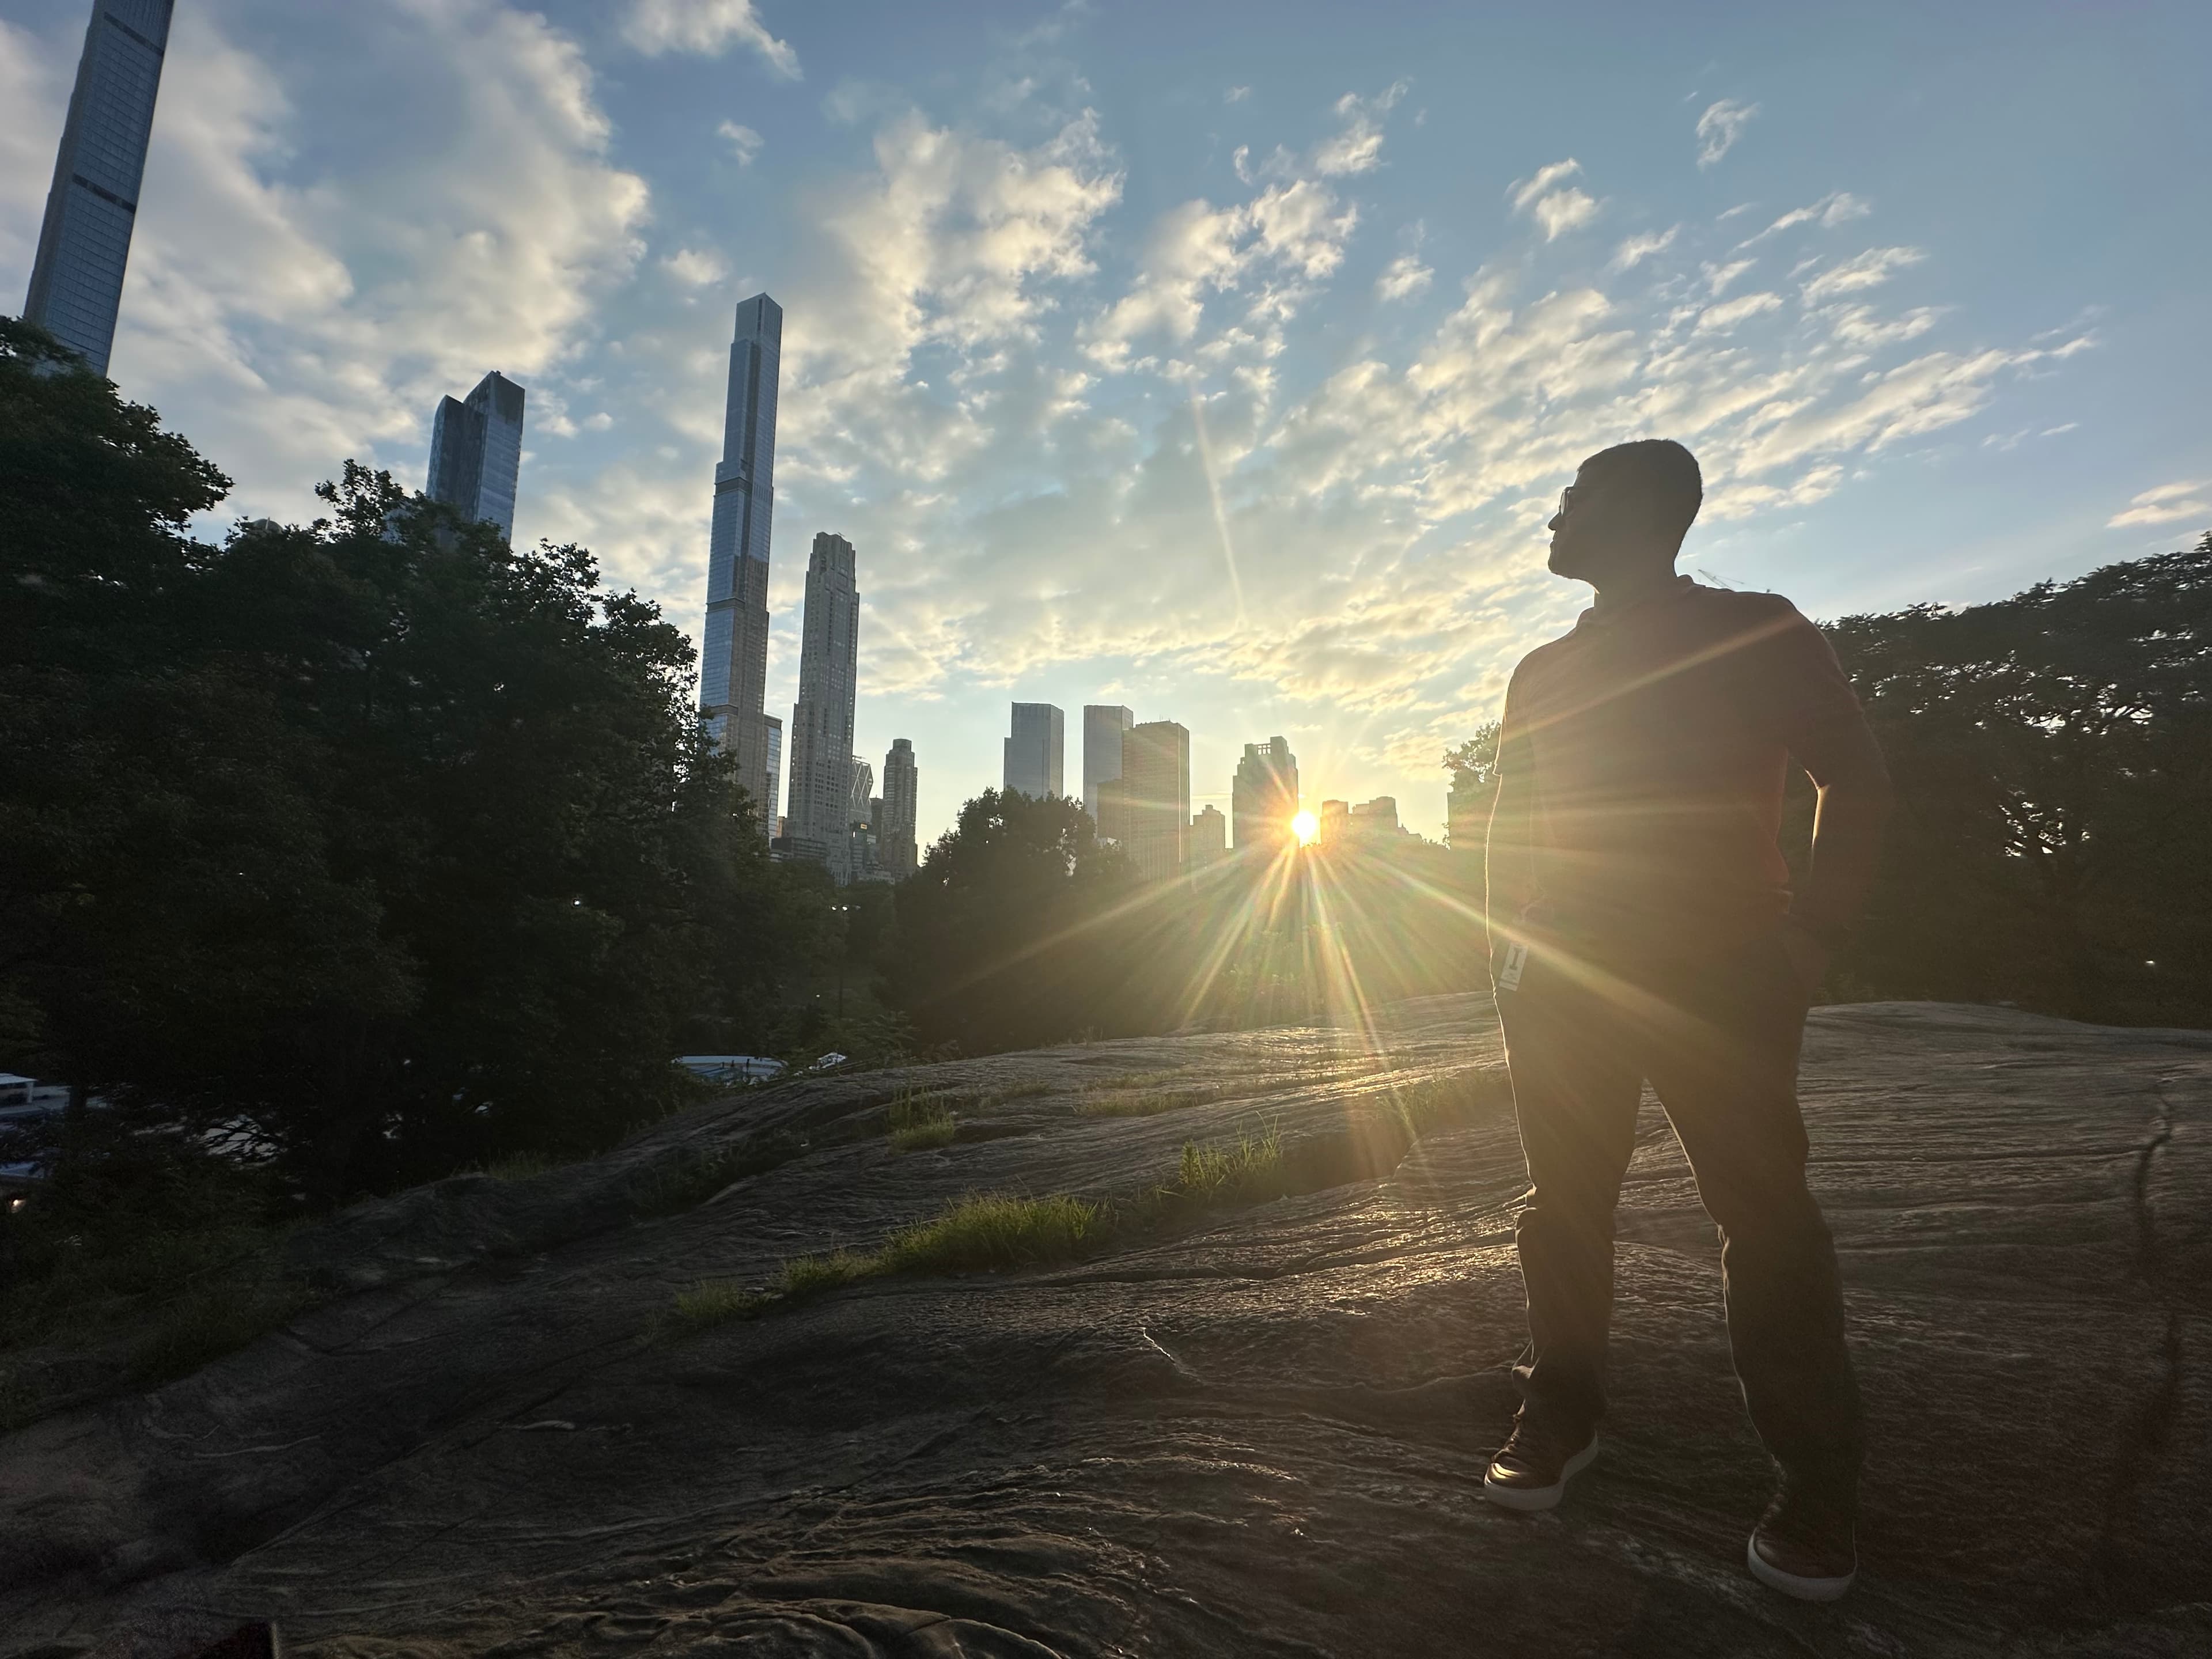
(1566, 499)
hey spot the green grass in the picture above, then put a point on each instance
(713, 1301)
(918, 1121)
(995, 1231)
(1142, 1102)
(211, 1320)
(983, 1232)
(1226, 1171)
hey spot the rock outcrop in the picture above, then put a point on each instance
(1255, 1431)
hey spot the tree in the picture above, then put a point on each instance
(379, 845)
(1002, 939)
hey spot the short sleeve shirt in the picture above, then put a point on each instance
(1658, 737)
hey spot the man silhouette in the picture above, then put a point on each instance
(1643, 928)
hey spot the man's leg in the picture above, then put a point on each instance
(1726, 1070)
(1575, 1087)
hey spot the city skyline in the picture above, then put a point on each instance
(1237, 384)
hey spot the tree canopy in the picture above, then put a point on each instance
(376, 844)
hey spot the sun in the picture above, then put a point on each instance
(1307, 828)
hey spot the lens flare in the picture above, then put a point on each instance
(1307, 828)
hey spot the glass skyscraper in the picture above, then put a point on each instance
(77, 282)
(1034, 749)
(476, 451)
(733, 656)
(820, 803)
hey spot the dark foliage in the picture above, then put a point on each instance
(2053, 758)
(1023, 928)
(375, 846)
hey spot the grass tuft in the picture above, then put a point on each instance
(993, 1231)
(714, 1302)
(1223, 1172)
(919, 1121)
(211, 1319)
(1142, 1102)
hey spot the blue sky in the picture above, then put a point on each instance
(1218, 359)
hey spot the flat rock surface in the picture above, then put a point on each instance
(1260, 1430)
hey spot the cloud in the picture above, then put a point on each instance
(1869, 269)
(1721, 317)
(1840, 206)
(1358, 147)
(708, 28)
(2166, 504)
(1635, 250)
(1194, 251)
(1403, 277)
(1557, 207)
(1718, 278)
(1719, 127)
(696, 268)
(33, 91)
(1236, 94)
(290, 305)
(744, 142)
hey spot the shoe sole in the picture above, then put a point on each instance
(1805, 1590)
(1539, 1498)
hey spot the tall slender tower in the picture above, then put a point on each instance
(476, 451)
(77, 282)
(820, 802)
(733, 659)
(902, 783)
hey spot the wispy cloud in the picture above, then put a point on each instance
(1546, 196)
(1358, 147)
(1403, 277)
(1635, 250)
(1719, 127)
(1838, 207)
(2166, 504)
(1869, 269)
(745, 143)
(708, 28)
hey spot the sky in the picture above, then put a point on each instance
(1223, 359)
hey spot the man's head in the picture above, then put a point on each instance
(1626, 512)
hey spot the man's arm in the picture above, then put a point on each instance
(1856, 799)
(1818, 715)
(1510, 852)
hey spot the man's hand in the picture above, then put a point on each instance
(1807, 956)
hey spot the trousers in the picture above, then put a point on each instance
(1718, 1037)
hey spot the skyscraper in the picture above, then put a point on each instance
(901, 781)
(1209, 837)
(733, 656)
(476, 451)
(819, 800)
(84, 242)
(1102, 727)
(1265, 797)
(1034, 749)
(1155, 798)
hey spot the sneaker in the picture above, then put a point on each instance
(1803, 1547)
(1530, 1471)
